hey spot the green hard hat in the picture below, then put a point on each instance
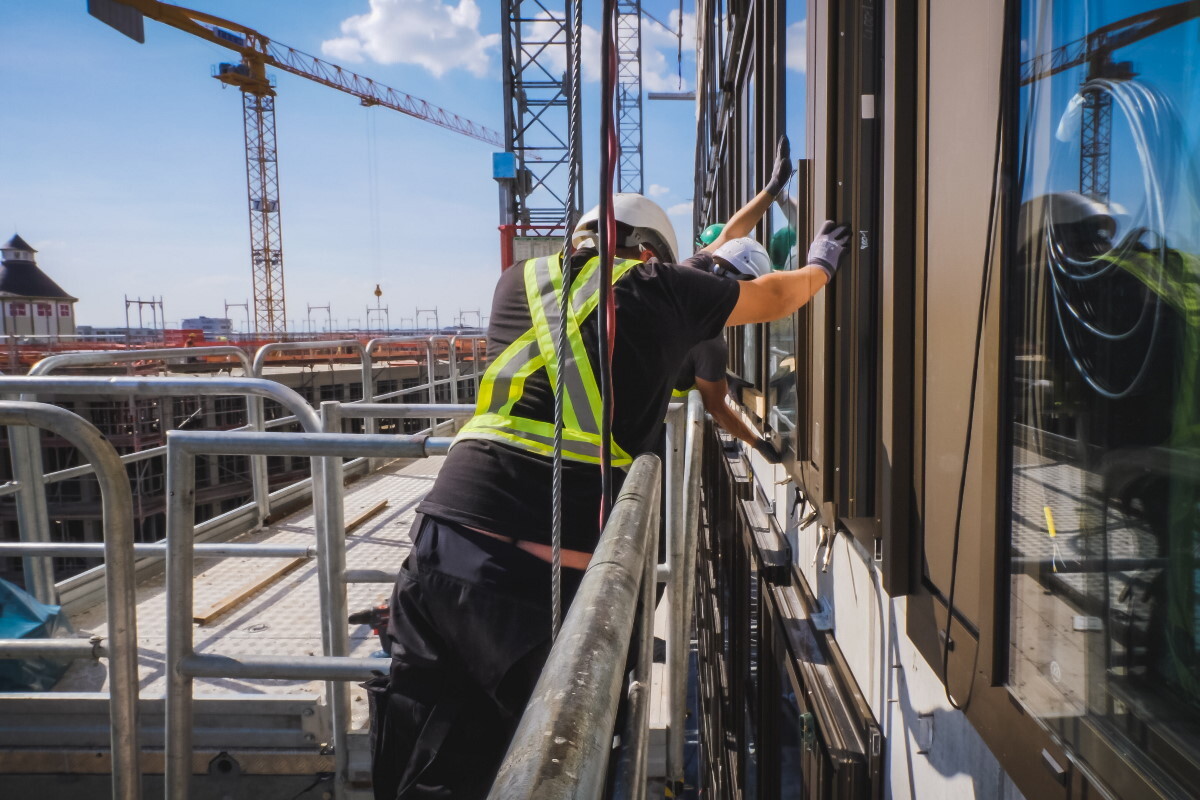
(782, 242)
(710, 234)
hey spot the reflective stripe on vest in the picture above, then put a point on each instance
(503, 384)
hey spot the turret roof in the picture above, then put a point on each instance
(17, 243)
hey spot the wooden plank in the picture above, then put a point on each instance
(373, 511)
(230, 602)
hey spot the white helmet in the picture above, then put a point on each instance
(746, 256)
(649, 222)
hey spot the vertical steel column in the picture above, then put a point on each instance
(33, 517)
(181, 521)
(537, 107)
(262, 181)
(331, 567)
(629, 95)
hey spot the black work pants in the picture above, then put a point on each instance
(468, 632)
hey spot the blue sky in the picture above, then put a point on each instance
(124, 163)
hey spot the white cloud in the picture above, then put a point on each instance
(429, 33)
(681, 209)
(796, 41)
(660, 48)
(660, 53)
(657, 191)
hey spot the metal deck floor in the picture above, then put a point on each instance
(281, 619)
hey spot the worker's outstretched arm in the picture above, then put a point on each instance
(778, 294)
(713, 393)
(746, 217)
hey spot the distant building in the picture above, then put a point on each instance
(212, 326)
(90, 332)
(32, 304)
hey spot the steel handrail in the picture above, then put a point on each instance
(32, 512)
(117, 503)
(562, 744)
(182, 449)
(259, 479)
(26, 450)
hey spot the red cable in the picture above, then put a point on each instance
(609, 153)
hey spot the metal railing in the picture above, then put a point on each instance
(122, 612)
(29, 479)
(326, 449)
(622, 571)
(183, 664)
(29, 484)
(564, 740)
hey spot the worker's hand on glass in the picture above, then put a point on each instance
(768, 451)
(782, 169)
(826, 249)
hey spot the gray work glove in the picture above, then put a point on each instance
(782, 170)
(826, 250)
(768, 451)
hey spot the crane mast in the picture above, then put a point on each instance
(258, 111)
(1095, 50)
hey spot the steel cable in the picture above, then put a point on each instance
(575, 14)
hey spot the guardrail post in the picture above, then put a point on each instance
(453, 367)
(331, 566)
(181, 522)
(677, 633)
(692, 468)
(260, 481)
(431, 370)
(117, 512)
(33, 518)
(629, 782)
(370, 424)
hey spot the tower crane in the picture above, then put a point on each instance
(258, 102)
(1095, 50)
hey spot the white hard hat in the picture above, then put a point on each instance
(649, 222)
(745, 255)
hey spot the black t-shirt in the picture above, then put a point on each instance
(706, 361)
(662, 311)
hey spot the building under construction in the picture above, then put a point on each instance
(974, 574)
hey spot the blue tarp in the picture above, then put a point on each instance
(23, 617)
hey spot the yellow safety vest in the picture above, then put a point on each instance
(503, 384)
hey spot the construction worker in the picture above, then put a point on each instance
(469, 620)
(736, 256)
(704, 367)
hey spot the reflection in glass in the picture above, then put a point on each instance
(1104, 320)
(750, 358)
(783, 222)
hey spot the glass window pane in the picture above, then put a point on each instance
(1104, 325)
